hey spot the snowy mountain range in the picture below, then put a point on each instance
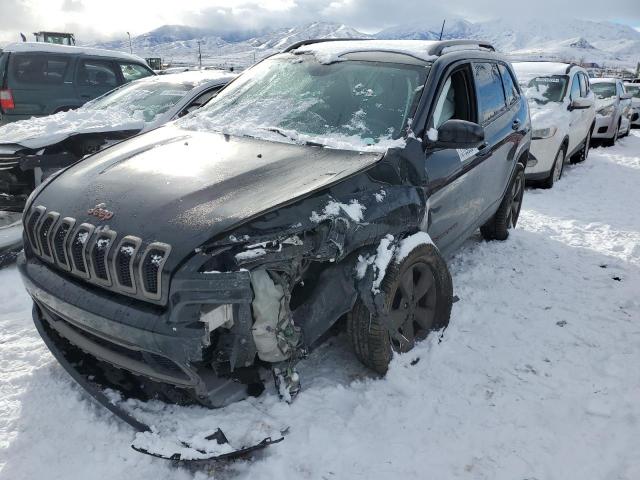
(604, 43)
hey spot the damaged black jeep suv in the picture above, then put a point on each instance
(327, 182)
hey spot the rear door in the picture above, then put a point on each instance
(95, 77)
(41, 83)
(501, 116)
(576, 116)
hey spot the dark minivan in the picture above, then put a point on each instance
(38, 79)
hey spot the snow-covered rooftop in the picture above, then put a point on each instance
(538, 69)
(603, 80)
(327, 52)
(53, 48)
(196, 78)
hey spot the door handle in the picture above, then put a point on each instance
(516, 124)
(483, 149)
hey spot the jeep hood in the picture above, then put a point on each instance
(40, 132)
(183, 187)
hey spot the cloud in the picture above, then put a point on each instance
(93, 19)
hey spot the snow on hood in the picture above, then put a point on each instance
(40, 132)
(545, 115)
(604, 102)
(329, 52)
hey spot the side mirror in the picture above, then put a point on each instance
(625, 96)
(459, 134)
(635, 116)
(580, 104)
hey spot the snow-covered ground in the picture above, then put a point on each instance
(537, 376)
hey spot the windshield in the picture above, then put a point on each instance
(634, 90)
(150, 98)
(349, 104)
(546, 89)
(604, 90)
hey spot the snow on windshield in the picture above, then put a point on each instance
(349, 105)
(604, 90)
(543, 90)
(130, 107)
(144, 100)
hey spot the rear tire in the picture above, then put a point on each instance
(418, 294)
(509, 210)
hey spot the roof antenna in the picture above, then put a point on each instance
(442, 29)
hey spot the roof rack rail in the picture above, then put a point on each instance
(438, 48)
(319, 40)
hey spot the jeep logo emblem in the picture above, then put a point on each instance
(100, 212)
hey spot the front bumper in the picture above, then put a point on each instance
(605, 127)
(160, 352)
(541, 157)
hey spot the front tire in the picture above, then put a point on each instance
(612, 141)
(418, 294)
(508, 212)
(556, 170)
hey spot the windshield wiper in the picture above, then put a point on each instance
(304, 142)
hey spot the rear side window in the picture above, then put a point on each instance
(133, 71)
(38, 68)
(97, 73)
(491, 100)
(510, 89)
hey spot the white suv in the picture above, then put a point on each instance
(562, 108)
(634, 90)
(614, 112)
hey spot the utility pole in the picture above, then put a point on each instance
(199, 54)
(442, 29)
(130, 47)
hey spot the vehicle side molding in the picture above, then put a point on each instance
(459, 134)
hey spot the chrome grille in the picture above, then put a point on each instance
(97, 255)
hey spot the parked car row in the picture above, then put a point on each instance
(326, 185)
(568, 111)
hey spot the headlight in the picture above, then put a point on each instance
(606, 111)
(541, 133)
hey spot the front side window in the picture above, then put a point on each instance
(453, 101)
(133, 71)
(38, 68)
(543, 90)
(510, 89)
(96, 73)
(584, 84)
(350, 104)
(575, 87)
(604, 90)
(489, 89)
(146, 99)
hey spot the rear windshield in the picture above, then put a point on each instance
(38, 68)
(604, 90)
(546, 89)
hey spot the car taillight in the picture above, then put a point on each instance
(6, 100)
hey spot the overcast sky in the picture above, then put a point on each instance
(105, 19)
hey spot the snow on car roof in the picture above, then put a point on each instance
(196, 78)
(53, 48)
(528, 70)
(328, 52)
(603, 80)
